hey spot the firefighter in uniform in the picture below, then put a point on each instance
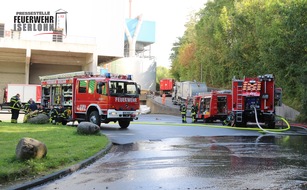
(32, 105)
(193, 113)
(15, 106)
(30, 115)
(183, 110)
(26, 108)
(53, 115)
(65, 115)
(229, 120)
(43, 110)
(30, 109)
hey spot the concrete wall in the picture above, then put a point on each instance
(11, 73)
(37, 70)
(287, 112)
(49, 46)
(158, 108)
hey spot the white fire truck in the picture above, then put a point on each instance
(26, 92)
(95, 98)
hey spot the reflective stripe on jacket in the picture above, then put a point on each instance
(183, 110)
(15, 103)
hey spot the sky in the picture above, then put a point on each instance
(170, 17)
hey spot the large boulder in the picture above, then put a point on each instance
(39, 119)
(88, 128)
(28, 148)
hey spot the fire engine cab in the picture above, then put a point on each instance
(254, 98)
(212, 106)
(95, 98)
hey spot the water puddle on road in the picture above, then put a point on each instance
(215, 163)
(238, 162)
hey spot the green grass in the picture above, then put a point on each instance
(65, 147)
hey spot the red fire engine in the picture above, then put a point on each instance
(213, 106)
(254, 94)
(95, 98)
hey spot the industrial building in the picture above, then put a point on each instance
(94, 39)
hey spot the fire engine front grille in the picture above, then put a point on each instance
(124, 115)
(121, 114)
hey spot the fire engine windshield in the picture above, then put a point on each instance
(123, 88)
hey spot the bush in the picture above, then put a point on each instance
(301, 118)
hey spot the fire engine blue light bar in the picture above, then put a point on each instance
(108, 75)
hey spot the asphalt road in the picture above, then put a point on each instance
(158, 152)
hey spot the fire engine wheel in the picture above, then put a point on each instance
(124, 124)
(240, 124)
(95, 118)
(208, 120)
(271, 125)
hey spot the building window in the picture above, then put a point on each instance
(1, 30)
(15, 34)
(57, 36)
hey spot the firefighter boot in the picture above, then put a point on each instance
(52, 121)
(226, 122)
(184, 119)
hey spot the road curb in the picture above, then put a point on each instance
(298, 125)
(62, 173)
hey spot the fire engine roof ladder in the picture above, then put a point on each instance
(239, 115)
(66, 75)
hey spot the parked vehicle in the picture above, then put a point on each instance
(167, 86)
(254, 100)
(184, 91)
(95, 98)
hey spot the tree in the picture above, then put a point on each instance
(247, 38)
